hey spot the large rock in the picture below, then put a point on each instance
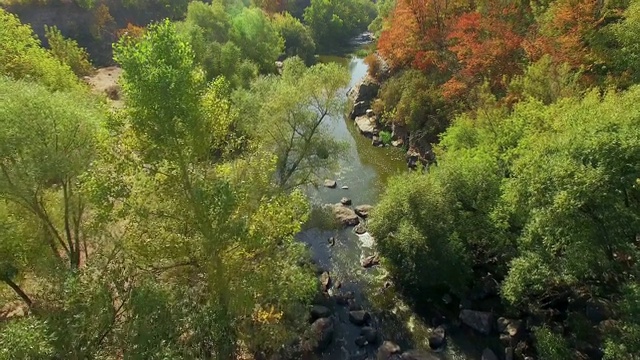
(366, 90)
(330, 183)
(418, 355)
(325, 281)
(366, 125)
(320, 334)
(319, 311)
(480, 321)
(363, 210)
(370, 261)
(387, 350)
(359, 109)
(345, 216)
(345, 201)
(438, 338)
(359, 317)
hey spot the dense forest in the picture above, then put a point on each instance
(529, 208)
(164, 227)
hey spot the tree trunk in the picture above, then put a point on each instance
(18, 291)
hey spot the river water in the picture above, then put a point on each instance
(365, 171)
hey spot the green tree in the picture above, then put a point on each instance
(545, 81)
(22, 57)
(334, 22)
(258, 38)
(297, 38)
(292, 112)
(385, 9)
(48, 143)
(68, 52)
(192, 211)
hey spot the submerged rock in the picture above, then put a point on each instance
(370, 334)
(480, 321)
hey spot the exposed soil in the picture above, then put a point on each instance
(105, 81)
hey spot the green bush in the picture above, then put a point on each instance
(551, 346)
(385, 137)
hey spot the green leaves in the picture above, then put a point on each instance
(258, 38)
(21, 57)
(289, 115)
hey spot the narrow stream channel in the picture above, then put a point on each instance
(365, 172)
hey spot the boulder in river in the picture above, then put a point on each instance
(331, 184)
(438, 338)
(345, 201)
(359, 317)
(345, 216)
(319, 335)
(366, 125)
(319, 311)
(325, 281)
(359, 109)
(363, 210)
(360, 229)
(370, 261)
(366, 90)
(387, 350)
(480, 321)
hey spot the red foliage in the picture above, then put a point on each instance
(564, 34)
(487, 47)
(416, 34)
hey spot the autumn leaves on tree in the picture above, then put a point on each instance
(463, 44)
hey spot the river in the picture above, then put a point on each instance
(365, 171)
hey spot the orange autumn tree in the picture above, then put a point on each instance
(487, 48)
(416, 33)
(564, 31)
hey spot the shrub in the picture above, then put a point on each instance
(375, 68)
(385, 137)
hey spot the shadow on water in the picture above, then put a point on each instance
(365, 172)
